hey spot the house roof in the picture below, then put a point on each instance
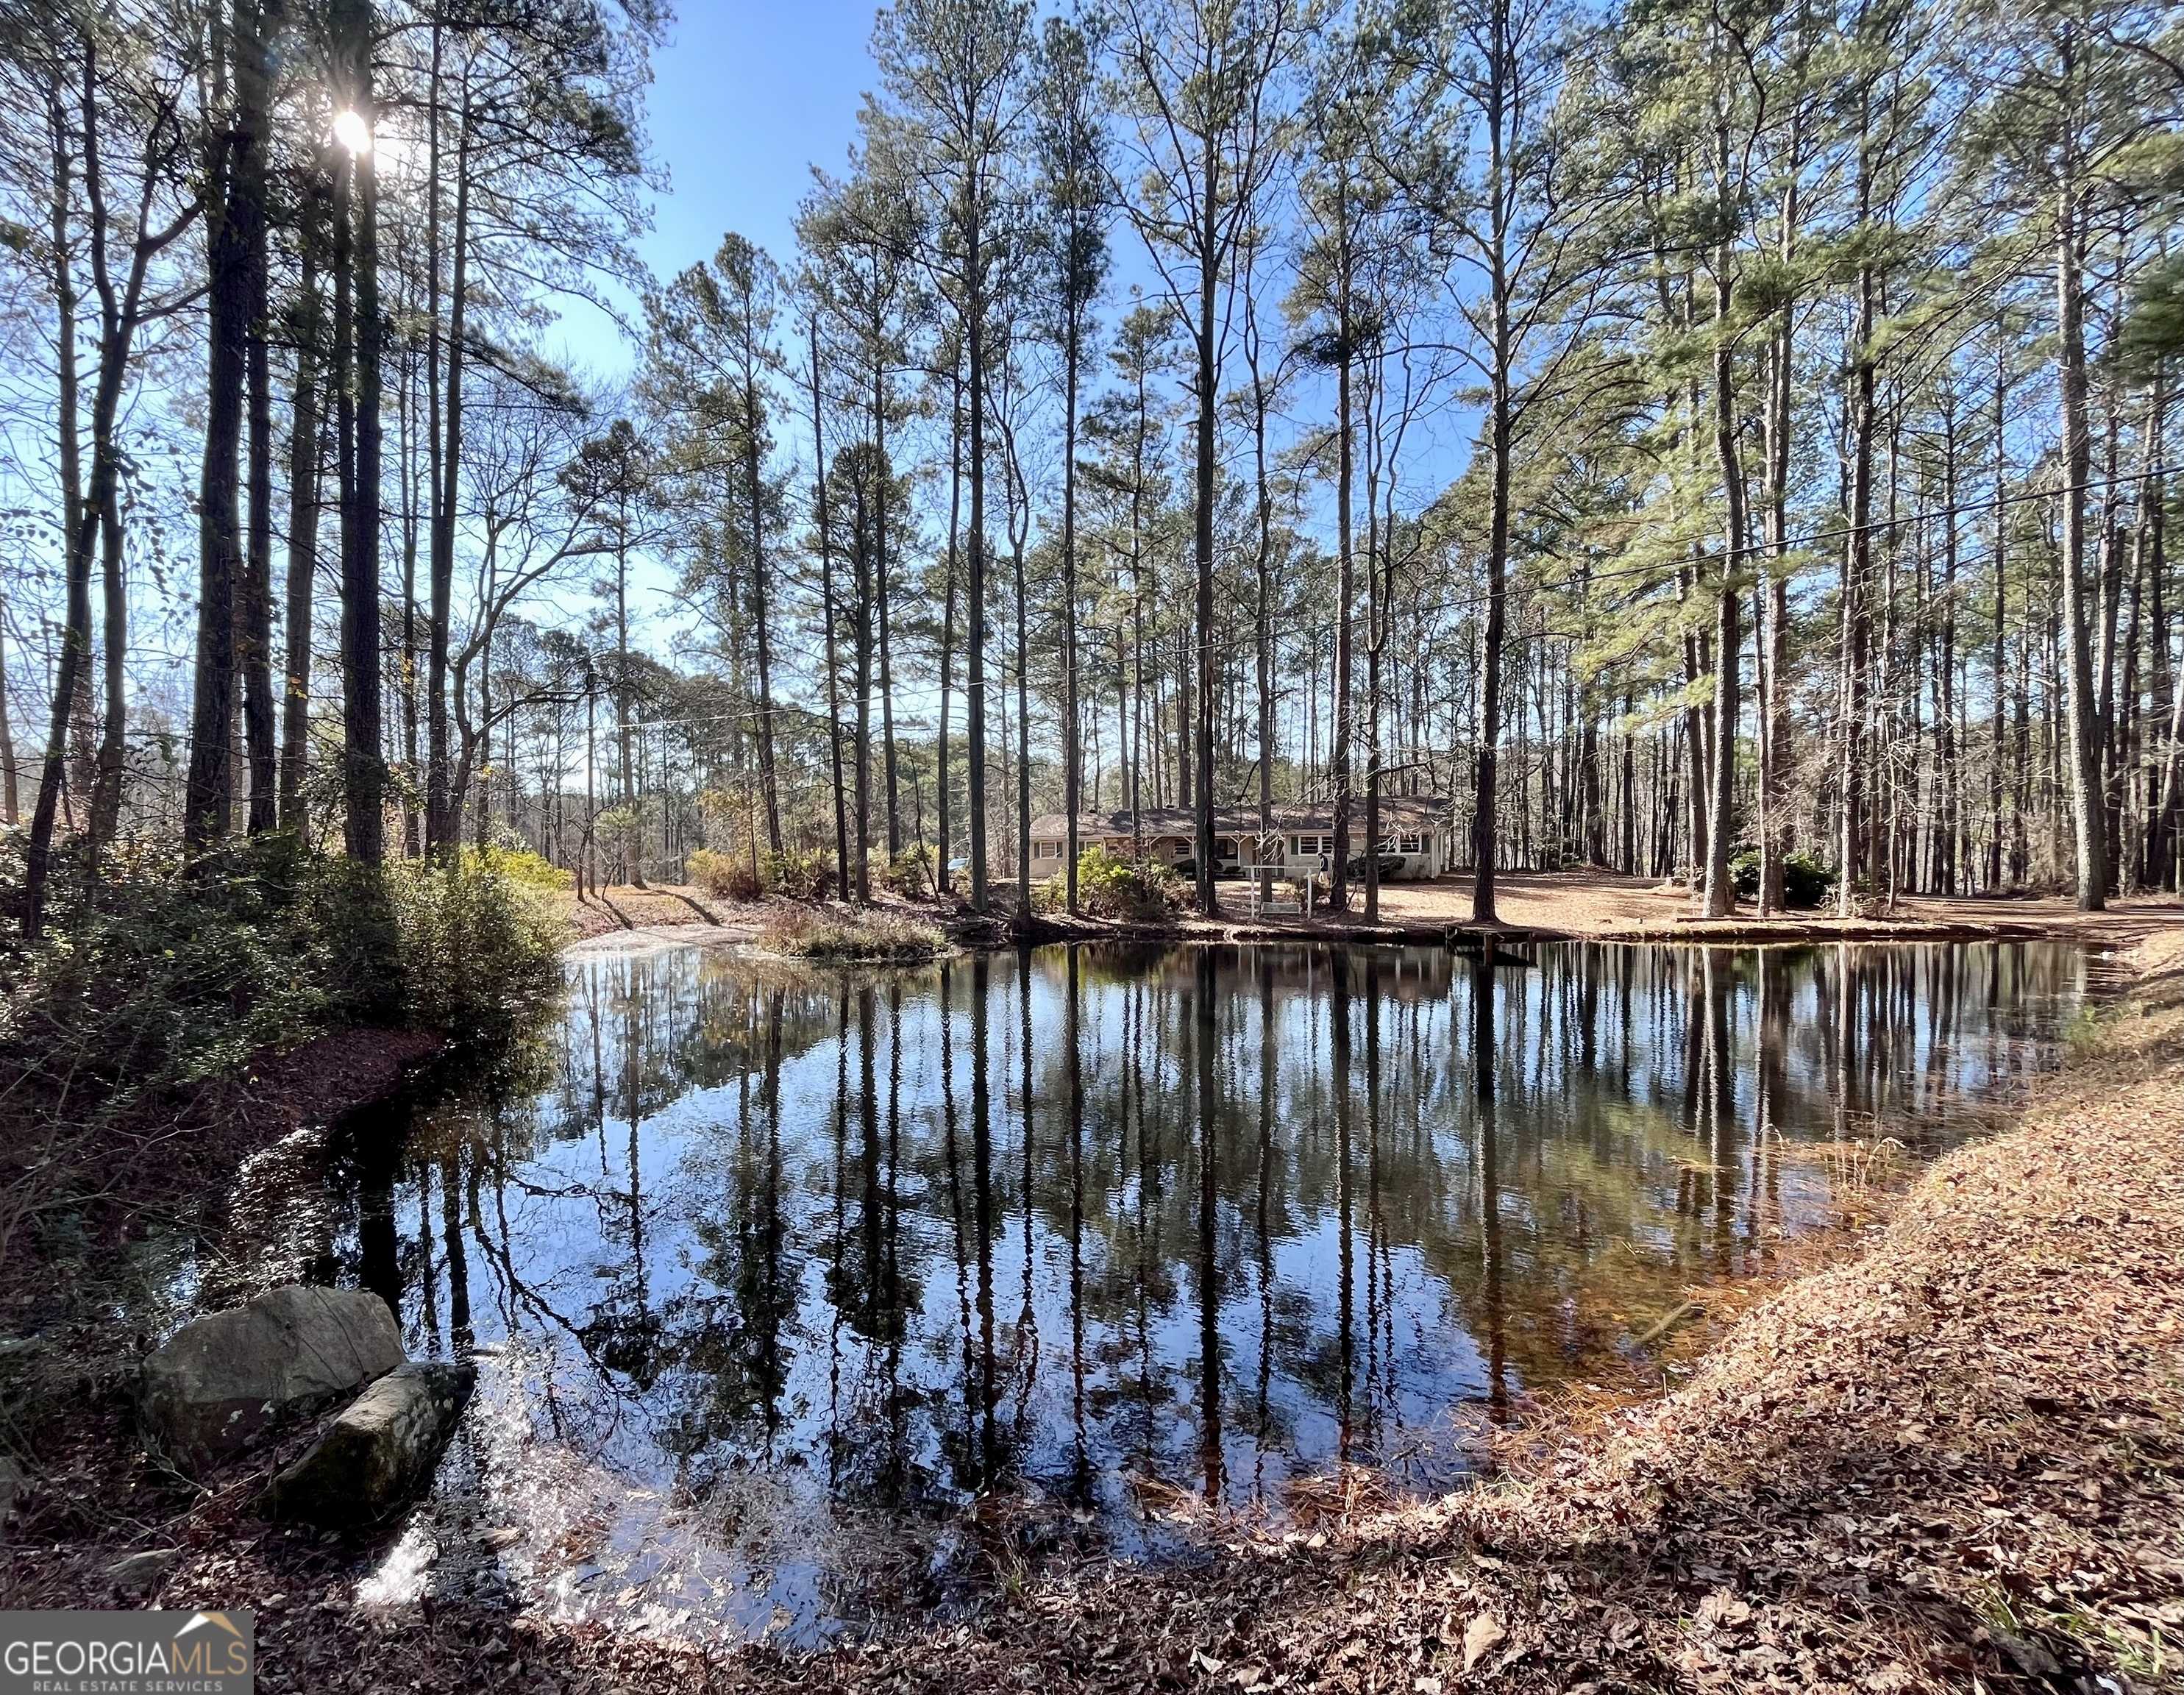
(1397, 812)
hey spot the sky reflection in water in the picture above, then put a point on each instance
(781, 1268)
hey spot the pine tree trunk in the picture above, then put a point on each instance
(253, 94)
(974, 684)
(304, 501)
(1500, 425)
(944, 876)
(1995, 767)
(364, 756)
(442, 803)
(207, 798)
(1728, 642)
(761, 618)
(1346, 589)
(1073, 757)
(880, 567)
(2087, 810)
(826, 623)
(861, 635)
(1209, 267)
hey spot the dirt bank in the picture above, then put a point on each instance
(1600, 904)
(106, 1182)
(1955, 1462)
(612, 912)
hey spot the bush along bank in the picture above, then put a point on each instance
(159, 993)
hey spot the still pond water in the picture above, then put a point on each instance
(799, 1296)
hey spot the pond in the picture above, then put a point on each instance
(802, 1296)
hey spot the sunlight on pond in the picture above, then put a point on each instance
(802, 1296)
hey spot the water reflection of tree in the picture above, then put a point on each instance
(1274, 1198)
(622, 1332)
(735, 1324)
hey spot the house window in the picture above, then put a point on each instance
(1311, 847)
(1046, 850)
(1412, 845)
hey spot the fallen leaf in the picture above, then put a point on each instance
(1481, 1636)
(1721, 1610)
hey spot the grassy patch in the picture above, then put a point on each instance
(871, 937)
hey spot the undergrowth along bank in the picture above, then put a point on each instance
(156, 982)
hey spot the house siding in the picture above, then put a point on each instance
(1421, 837)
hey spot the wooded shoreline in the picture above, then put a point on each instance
(1539, 907)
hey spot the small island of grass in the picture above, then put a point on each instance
(849, 936)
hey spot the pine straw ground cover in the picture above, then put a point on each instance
(1956, 1462)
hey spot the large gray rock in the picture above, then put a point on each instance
(138, 1574)
(378, 1453)
(220, 1381)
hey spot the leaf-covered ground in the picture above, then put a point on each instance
(1956, 1462)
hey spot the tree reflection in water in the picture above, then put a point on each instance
(800, 1293)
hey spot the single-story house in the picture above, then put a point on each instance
(1417, 837)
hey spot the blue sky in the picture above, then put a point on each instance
(747, 96)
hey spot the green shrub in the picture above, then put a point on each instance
(354, 911)
(152, 976)
(727, 877)
(1111, 886)
(798, 874)
(910, 873)
(1806, 883)
(795, 873)
(530, 869)
(146, 979)
(475, 949)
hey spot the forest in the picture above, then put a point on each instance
(1620, 472)
(1693, 440)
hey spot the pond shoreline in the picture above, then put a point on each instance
(1538, 908)
(68, 1364)
(1951, 1454)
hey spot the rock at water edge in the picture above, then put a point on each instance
(137, 1574)
(218, 1381)
(378, 1453)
